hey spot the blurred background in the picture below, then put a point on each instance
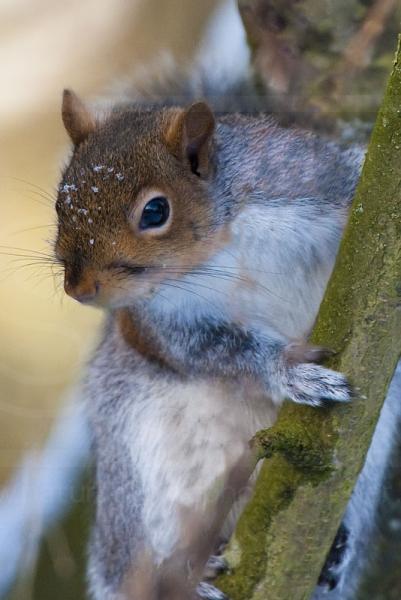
(92, 46)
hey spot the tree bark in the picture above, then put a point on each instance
(314, 456)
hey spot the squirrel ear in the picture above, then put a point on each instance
(191, 133)
(77, 119)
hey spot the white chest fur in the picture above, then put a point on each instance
(183, 442)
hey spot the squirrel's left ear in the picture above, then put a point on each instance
(190, 134)
(78, 120)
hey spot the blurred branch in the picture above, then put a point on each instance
(316, 59)
(358, 51)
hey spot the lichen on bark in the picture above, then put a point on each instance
(315, 455)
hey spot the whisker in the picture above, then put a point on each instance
(201, 285)
(18, 249)
(221, 274)
(164, 283)
(165, 298)
(30, 193)
(35, 260)
(240, 278)
(48, 202)
(34, 185)
(210, 267)
(211, 271)
(41, 279)
(33, 228)
(37, 264)
(251, 269)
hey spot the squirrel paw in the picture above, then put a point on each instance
(214, 567)
(315, 385)
(209, 592)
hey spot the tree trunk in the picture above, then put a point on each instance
(314, 456)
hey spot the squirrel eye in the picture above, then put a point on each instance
(155, 214)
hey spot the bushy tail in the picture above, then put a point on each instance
(219, 73)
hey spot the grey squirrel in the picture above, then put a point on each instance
(209, 240)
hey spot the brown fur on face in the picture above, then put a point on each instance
(130, 154)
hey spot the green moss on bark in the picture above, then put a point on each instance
(286, 530)
(305, 441)
(248, 568)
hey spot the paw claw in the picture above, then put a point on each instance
(315, 385)
(209, 592)
(215, 566)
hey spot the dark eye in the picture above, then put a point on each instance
(155, 213)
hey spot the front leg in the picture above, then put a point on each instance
(285, 370)
(307, 383)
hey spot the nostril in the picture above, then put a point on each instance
(83, 293)
(85, 297)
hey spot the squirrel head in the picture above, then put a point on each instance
(134, 207)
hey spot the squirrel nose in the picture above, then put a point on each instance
(83, 292)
